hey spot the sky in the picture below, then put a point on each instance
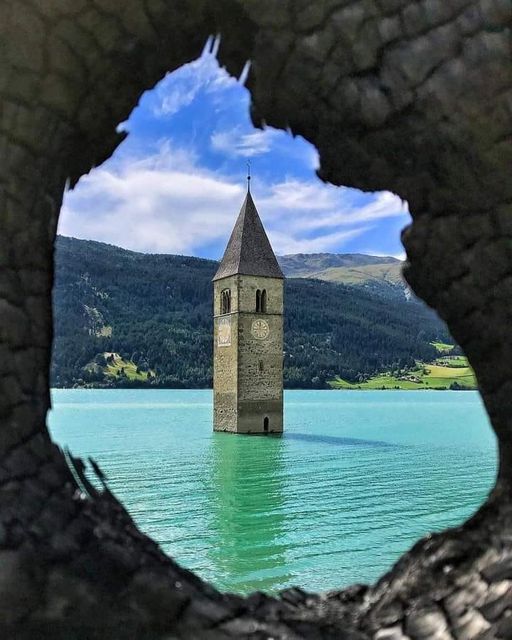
(176, 184)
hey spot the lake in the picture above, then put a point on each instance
(356, 479)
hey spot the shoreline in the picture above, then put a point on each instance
(156, 388)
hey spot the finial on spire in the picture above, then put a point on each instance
(248, 175)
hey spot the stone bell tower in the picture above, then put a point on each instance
(248, 331)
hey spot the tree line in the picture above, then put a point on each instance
(156, 311)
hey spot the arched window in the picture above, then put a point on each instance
(263, 301)
(225, 301)
(261, 366)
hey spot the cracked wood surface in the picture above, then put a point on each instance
(407, 95)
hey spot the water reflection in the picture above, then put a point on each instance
(248, 512)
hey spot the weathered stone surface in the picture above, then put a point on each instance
(494, 608)
(428, 622)
(500, 570)
(410, 96)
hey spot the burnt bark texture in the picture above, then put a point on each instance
(407, 95)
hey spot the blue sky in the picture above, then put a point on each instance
(176, 184)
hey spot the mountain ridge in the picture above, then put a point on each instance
(379, 273)
(153, 311)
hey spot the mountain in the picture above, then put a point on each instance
(375, 273)
(130, 319)
(306, 265)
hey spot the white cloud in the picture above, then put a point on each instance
(151, 205)
(310, 217)
(284, 243)
(235, 143)
(335, 206)
(168, 203)
(179, 89)
(302, 196)
(399, 256)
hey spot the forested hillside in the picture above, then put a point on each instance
(129, 319)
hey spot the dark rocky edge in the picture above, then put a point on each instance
(410, 96)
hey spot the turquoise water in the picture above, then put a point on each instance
(357, 478)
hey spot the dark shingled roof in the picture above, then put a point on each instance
(249, 251)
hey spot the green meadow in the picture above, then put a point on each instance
(442, 347)
(117, 366)
(446, 372)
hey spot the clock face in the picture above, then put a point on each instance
(260, 329)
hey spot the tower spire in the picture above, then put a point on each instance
(248, 251)
(248, 176)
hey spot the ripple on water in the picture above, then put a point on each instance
(357, 478)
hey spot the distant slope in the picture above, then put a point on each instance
(306, 265)
(380, 274)
(390, 273)
(154, 314)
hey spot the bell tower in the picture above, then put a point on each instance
(248, 331)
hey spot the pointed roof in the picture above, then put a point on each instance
(249, 251)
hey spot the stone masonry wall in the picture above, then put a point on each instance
(225, 359)
(260, 392)
(248, 374)
(230, 283)
(247, 292)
